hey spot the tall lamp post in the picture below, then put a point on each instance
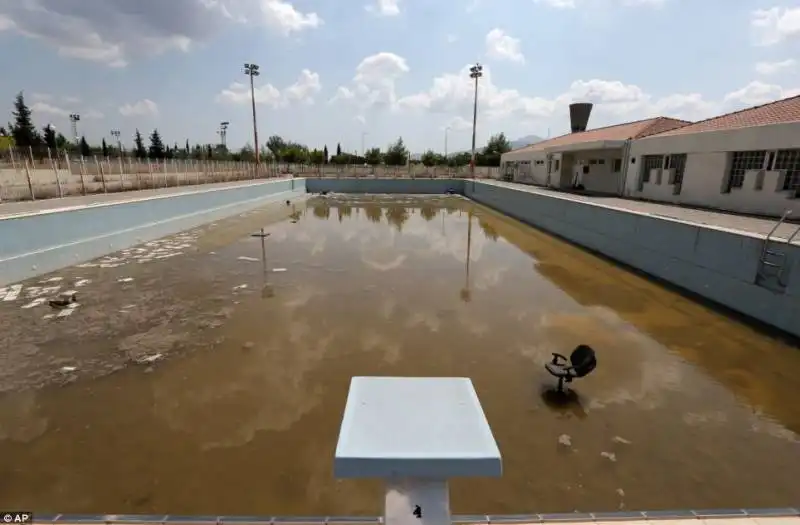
(223, 133)
(475, 72)
(73, 119)
(115, 133)
(251, 70)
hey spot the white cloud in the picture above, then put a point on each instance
(503, 47)
(374, 81)
(756, 93)
(145, 107)
(452, 94)
(303, 91)
(384, 7)
(112, 31)
(774, 25)
(772, 68)
(46, 106)
(572, 4)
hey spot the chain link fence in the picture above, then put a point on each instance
(25, 176)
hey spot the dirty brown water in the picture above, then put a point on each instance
(687, 408)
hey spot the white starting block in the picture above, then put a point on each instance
(416, 433)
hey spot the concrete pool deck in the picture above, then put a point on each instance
(516, 520)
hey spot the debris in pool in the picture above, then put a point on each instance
(148, 359)
(609, 456)
(125, 279)
(212, 253)
(82, 282)
(12, 292)
(278, 270)
(565, 440)
(621, 493)
(68, 369)
(621, 440)
(69, 310)
(248, 259)
(240, 287)
(288, 203)
(52, 280)
(35, 302)
(65, 300)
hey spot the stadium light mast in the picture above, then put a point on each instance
(251, 70)
(475, 72)
(74, 118)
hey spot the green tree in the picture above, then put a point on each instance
(138, 146)
(325, 154)
(169, 153)
(373, 156)
(61, 141)
(49, 135)
(317, 157)
(277, 145)
(86, 151)
(3, 132)
(23, 131)
(209, 151)
(338, 150)
(156, 149)
(104, 148)
(396, 154)
(497, 145)
(430, 158)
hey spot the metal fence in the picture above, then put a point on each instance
(30, 177)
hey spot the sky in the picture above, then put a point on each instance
(369, 71)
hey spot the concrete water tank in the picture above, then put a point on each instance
(579, 116)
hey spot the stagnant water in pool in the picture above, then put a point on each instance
(240, 415)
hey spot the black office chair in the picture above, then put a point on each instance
(580, 363)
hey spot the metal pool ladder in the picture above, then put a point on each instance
(773, 262)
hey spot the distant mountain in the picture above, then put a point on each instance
(519, 143)
(525, 141)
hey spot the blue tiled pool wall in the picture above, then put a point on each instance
(462, 519)
(38, 244)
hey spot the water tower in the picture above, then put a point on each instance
(579, 116)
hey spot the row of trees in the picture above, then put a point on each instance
(26, 136)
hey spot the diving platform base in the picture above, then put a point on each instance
(414, 501)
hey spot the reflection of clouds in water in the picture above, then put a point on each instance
(631, 367)
(19, 420)
(319, 246)
(259, 389)
(472, 323)
(372, 341)
(394, 264)
(696, 419)
(388, 307)
(427, 319)
(301, 295)
(486, 278)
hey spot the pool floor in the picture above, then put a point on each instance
(203, 374)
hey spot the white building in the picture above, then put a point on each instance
(747, 161)
(594, 159)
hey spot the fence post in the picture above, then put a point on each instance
(101, 172)
(166, 171)
(83, 176)
(55, 171)
(13, 161)
(121, 175)
(30, 181)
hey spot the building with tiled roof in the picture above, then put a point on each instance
(746, 161)
(592, 158)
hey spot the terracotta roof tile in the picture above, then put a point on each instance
(628, 130)
(778, 112)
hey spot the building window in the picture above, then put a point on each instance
(617, 165)
(592, 162)
(601, 161)
(789, 160)
(650, 162)
(557, 165)
(741, 162)
(677, 163)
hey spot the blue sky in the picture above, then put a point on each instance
(332, 71)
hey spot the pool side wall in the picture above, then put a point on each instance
(39, 243)
(713, 263)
